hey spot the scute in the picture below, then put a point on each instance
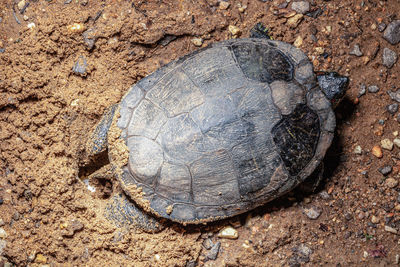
(224, 129)
(296, 137)
(263, 63)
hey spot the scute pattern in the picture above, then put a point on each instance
(296, 137)
(263, 63)
(206, 137)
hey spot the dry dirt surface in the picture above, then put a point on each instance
(48, 217)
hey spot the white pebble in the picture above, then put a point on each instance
(358, 150)
(223, 5)
(234, 30)
(229, 233)
(390, 229)
(387, 144)
(197, 41)
(396, 141)
(3, 233)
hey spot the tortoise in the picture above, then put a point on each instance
(218, 132)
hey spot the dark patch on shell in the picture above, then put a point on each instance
(296, 137)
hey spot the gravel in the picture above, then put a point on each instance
(301, 7)
(3, 233)
(197, 41)
(381, 27)
(356, 51)
(373, 89)
(228, 232)
(387, 144)
(207, 243)
(389, 58)
(396, 141)
(362, 91)
(213, 253)
(395, 95)
(385, 170)
(80, 66)
(392, 108)
(89, 38)
(390, 229)
(312, 213)
(3, 244)
(358, 150)
(392, 32)
(391, 182)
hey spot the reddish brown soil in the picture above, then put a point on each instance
(47, 111)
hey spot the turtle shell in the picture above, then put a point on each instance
(223, 130)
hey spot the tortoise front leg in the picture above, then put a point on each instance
(97, 141)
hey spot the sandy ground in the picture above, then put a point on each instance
(49, 217)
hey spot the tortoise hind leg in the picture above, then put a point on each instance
(119, 209)
(311, 183)
(124, 213)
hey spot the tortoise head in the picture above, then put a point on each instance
(333, 85)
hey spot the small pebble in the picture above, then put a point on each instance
(235, 31)
(390, 229)
(3, 244)
(207, 243)
(295, 20)
(242, 9)
(396, 141)
(391, 182)
(356, 51)
(80, 66)
(228, 232)
(324, 195)
(392, 32)
(373, 88)
(298, 42)
(2, 222)
(397, 259)
(392, 108)
(3, 233)
(312, 213)
(365, 254)
(362, 91)
(213, 253)
(301, 7)
(381, 27)
(386, 170)
(40, 259)
(76, 28)
(319, 50)
(89, 37)
(197, 41)
(395, 95)
(389, 58)
(377, 151)
(387, 144)
(304, 250)
(375, 219)
(358, 150)
(223, 5)
(21, 4)
(348, 216)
